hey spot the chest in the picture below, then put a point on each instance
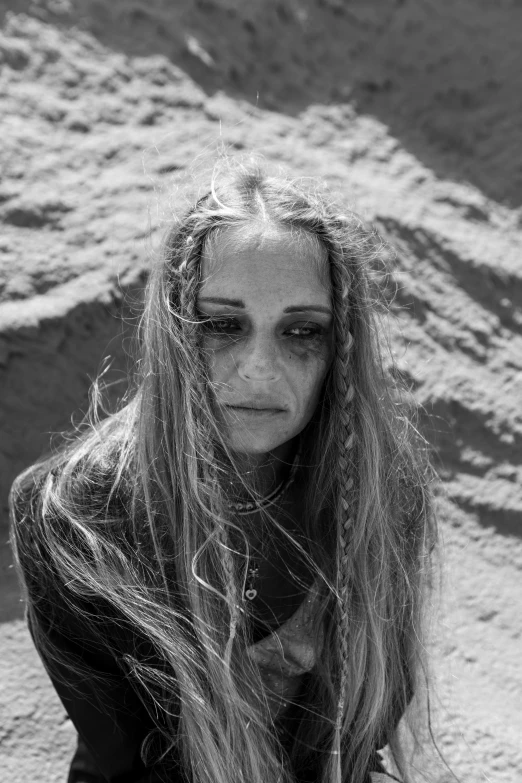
(279, 573)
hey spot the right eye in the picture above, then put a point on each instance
(221, 326)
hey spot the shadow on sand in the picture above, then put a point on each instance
(445, 82)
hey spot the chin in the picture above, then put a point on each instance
(253, 443)
(252, 447)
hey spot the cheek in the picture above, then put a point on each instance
(306, 371)
(219, 363)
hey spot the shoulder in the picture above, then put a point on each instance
(58, 532)
(57, 503)
(26, 501)
(84, 470)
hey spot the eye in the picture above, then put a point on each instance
(221, 326)
(304, 331)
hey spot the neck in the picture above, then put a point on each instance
(262, 473)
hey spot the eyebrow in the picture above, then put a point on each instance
(292, 309)
(316, 308)
(222, 300)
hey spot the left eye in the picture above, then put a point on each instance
(306, 330)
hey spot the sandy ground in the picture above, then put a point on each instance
(111, 114)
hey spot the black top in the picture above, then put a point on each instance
(110, 714)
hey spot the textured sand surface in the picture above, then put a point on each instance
(411, 112)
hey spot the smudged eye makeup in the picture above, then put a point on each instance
(305, 331)
(230, 327)
(217, 325)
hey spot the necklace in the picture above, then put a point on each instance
(252, 574)
(257, 505)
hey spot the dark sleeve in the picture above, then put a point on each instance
(106, 710)
(112, 715)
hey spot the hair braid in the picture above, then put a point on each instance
(190, 274)
(344, 391)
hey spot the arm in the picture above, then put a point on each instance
(105, 709)
(113, 721)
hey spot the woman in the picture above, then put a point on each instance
(225, 578)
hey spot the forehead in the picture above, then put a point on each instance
(261, 258)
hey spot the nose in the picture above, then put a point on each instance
(259, 360)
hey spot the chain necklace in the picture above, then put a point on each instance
(257, 505)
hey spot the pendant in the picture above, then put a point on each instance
(252, 574)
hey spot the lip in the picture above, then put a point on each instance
(254, 409)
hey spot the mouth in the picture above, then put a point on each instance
(255, 409)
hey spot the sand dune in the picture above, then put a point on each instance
(410, 112)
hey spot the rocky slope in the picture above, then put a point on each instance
(410, 111)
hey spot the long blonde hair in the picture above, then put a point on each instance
(132, 516)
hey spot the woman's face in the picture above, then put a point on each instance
(266, 294)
